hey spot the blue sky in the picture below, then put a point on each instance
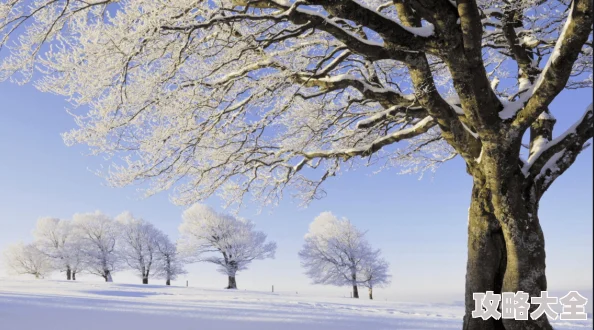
(420, 225)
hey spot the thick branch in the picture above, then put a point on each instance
(555, 157)
(558, 68)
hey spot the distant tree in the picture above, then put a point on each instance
(334, 252)
(138, 244)
(170, 264)
(374, 273)
(224, 240)
(27, 259)
(54, 237)
(98, 235)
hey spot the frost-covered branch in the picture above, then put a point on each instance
(558, 68)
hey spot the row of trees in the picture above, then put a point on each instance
(99, 245)
(335, 252)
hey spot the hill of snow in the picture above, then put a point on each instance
(62, 305)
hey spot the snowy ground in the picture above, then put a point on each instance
(61, 305)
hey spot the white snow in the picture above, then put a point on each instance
(540, 145)
(557, 50)
(63, 305)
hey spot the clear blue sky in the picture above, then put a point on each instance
(420, 225)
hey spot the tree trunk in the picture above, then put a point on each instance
(355, 289)
(107, 276)
(505, 243)
(486, 255)
(68, 274)
(232, 283)
(517, 212)
(168, 282)
(370, 293)
(145, 280)
(74, 275)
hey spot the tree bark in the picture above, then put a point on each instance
(505, 241)
(370, 293)
(145, 280)
(517, 211)
(232, 283)
(355, 291)
(485, 266)
(68, 274)
(168, 282)
(74, 275)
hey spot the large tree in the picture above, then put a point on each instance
(243, 95)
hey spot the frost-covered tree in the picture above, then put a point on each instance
(335, 251)
(98, 236)
(229, 242)
(170, 264)
(54, 237)
(374, 273)
(242, 96)
(27, 259)
(138, 245)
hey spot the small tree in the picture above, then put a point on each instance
(334, 252)
(98, 236)
(27, 259)
(374, 273)
(170, 264)
(139, 244)
(55, 239)
(223, 240)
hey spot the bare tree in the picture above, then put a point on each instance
(138, 244)
(170, 264)
(98, 235)
(245, 96)
(335, 251)
(223, 240)
(27, 259)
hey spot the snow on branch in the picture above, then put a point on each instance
(418, 128)
(551, 159)
(558, 68)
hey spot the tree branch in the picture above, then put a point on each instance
(557, 71)
(555, 157)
